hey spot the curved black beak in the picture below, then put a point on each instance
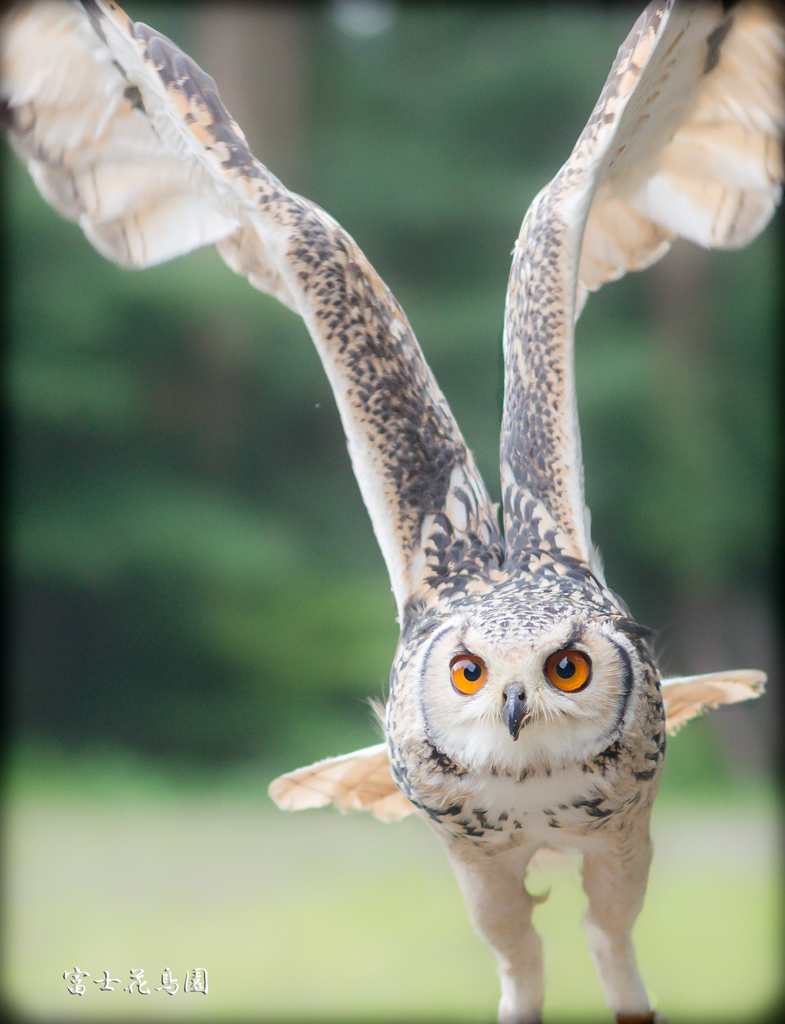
(514, 712)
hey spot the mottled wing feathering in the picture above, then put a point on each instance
(129, 137)
(685, 140)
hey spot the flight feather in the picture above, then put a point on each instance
(129, 138)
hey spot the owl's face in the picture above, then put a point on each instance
(515, 691)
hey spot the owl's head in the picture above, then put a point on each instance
(512, 686)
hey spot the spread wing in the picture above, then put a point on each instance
(689, 696)
(685, 139)
(125, 134)
(363, 781)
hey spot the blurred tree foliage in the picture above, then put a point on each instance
(195, 573)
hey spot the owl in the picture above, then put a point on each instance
(525, 709)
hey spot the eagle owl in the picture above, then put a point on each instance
(525, 708)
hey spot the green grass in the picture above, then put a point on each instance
(322, 917)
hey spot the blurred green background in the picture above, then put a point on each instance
(198, 599)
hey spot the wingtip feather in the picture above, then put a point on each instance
(690, 696)
(361, 781)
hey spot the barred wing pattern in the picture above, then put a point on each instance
(129, 137)
(685, 139)
(688, 697)
(361, 781)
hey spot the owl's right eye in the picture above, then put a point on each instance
(468, 673)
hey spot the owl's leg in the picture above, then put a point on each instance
(500, 910)
(615, 882)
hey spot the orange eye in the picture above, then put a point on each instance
(568, 670)
(468, 673)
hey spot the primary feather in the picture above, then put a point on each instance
(689, 696)
(705, 162)
(361, 781)
(685, 140)
(130, 138)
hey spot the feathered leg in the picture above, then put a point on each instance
(500, 910)
(615, 882)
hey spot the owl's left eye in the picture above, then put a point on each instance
(468, 673)
(568, 670)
